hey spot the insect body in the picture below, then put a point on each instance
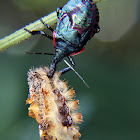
(77, 23)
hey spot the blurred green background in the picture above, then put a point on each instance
(110, 65)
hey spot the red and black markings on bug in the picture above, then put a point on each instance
(76, 25)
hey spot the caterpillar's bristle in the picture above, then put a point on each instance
(77, 118)
(73, 105)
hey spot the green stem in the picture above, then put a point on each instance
(21, 34)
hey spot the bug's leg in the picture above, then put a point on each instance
(39, 32)
(58, 10)
(40, 53)
(68, 68)
(45, 24)
(52, 68)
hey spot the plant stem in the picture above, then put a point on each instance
(21, 34)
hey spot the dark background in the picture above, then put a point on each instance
(110, 65)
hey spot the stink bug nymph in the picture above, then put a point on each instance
(76, 25)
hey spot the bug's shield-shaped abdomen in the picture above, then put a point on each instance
(83, 15)
(77, 24)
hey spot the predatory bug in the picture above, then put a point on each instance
(76, 25)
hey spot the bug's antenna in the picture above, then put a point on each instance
(39, 53)
(76, 73)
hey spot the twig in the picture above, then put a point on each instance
(21, 34)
